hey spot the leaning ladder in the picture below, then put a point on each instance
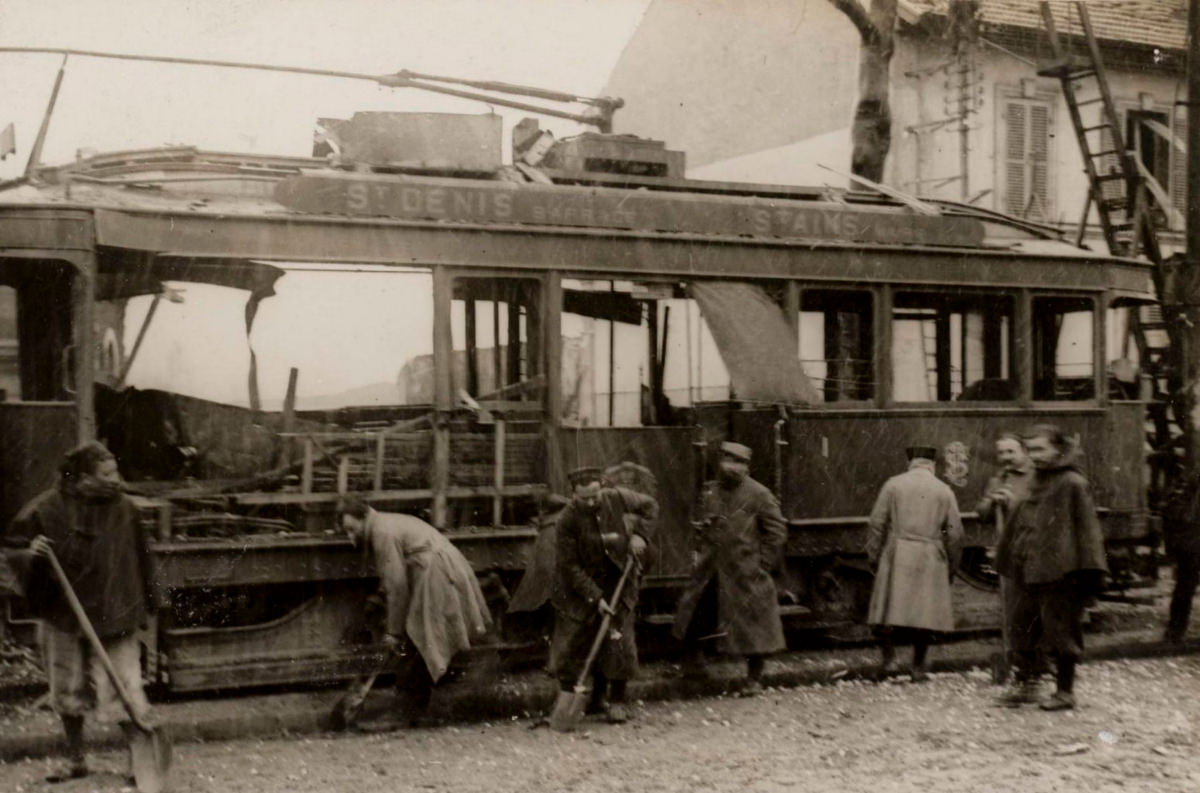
(1125, 219)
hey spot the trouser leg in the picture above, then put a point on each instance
(1187, 576)
(755, 664)
(599, 699)
(414, 684)
(616, 691)
(704, 622)
(73, 731)
(920, 653)
(1066, 674)
(76, 766)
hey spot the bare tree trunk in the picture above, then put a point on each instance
(871, 134)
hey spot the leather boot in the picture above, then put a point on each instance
(76, 765)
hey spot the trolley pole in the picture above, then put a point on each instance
(1188, 292)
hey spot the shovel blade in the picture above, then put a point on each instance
(150, 751)
(568, 710)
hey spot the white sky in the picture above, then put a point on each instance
(107, 105)
(568, 45)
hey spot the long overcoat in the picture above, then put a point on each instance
(740, 546)
(431, 591)
(915, 538)
(1058, 526)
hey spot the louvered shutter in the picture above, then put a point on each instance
(1015, 188)
(1027, 128)
(1037, 204)
(1179, 162)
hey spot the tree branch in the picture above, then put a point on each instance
(859, 16)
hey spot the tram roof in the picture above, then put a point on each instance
(183, 202)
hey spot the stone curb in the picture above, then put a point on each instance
(528, 693)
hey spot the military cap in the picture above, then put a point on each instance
(585, 475)
(921, 452)
(736, 451)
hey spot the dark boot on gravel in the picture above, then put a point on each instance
(76, 766)
(1059, 700)
(1021, 692)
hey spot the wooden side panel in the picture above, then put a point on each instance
(670, 456)
(33, 438)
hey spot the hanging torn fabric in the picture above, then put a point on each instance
(756, 342)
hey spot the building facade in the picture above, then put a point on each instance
(766, 91)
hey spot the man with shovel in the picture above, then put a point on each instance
(597, 532)
(435, 608)
(91, 527)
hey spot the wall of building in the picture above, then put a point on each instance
(720, 80)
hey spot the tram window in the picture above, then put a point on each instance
(494, 330)
(635, 387)
(1121, 346)
(1064, 363)
(835, 340)
(952, 348)
(10, 370)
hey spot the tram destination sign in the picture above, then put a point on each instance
(368, 195)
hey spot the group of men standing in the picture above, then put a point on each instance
(1050, 554)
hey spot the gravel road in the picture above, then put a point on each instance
(1137, 729)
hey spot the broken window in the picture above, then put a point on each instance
(1122, 345)
(952, 347)
(634, 354)
(1064, 364)
(835, 338)
(494, 326)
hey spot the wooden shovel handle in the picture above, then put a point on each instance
(97, 647)
(604, 623)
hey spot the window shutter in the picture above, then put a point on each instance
(1039, 149)
(1014, 158)
(1179, 162)
(1027, 128)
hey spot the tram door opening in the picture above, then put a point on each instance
(38, 420)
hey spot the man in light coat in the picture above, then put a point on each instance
(913, 544)
(435, 607)
(732, 594)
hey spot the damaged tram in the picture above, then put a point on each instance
(252, 335)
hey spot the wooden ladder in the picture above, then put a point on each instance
(1125, 220)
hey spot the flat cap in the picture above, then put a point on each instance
(921, 452)
(585, 475)
(736, 450)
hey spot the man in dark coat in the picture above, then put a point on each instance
(92, 527)
(1181, 531)
(596, 534)
(741, 533)
(1003, 493)
(913, 545)
(1053, 554)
